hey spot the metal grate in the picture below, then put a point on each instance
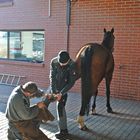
(8, 79)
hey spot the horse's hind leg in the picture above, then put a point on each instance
(80, 119)
(93, 111)
(108, 82)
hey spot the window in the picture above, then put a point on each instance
(22, 45)
(4, 3)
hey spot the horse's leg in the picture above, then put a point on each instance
(80, 118)
(93, 111)
(108, 82)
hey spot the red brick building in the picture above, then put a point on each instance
(88, 19)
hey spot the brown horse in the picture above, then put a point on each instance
(95, 62)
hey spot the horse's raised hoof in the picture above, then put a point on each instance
(84, 128)
(109, 110)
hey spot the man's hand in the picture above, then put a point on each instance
(48, 96)
(59, 96)
(53, 97)
(41, 105)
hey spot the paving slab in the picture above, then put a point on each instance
(123, 124)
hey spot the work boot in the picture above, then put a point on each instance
(62, 134)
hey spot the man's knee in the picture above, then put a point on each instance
(13, 135)
(10, 135)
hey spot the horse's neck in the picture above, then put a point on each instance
(107, 44)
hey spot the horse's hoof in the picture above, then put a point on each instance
(84, 128)
(93, 112)
(109, 110)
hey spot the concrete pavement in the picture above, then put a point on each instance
(123, 124)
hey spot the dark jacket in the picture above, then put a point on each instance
(62, 78)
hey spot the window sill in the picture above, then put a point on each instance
(21, 63)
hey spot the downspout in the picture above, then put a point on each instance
(68, 22)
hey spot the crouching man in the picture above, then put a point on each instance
(23, 119)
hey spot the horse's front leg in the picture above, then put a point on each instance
(109, 109)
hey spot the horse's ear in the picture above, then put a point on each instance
(104, 30)
(112, 30)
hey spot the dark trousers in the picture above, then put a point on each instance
(61, 113)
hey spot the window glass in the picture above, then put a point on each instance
(15, 46)
(3, 45)
(38, 43)
(4, 3)
(22, 45)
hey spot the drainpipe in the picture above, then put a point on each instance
(68, 21)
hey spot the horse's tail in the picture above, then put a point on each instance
(86, 80)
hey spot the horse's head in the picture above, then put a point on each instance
(108, 40)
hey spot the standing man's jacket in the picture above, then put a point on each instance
(62, 79)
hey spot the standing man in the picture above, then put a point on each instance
(22, 118)
(62, 78)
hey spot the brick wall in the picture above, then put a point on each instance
(88, 18)
(34, 14)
